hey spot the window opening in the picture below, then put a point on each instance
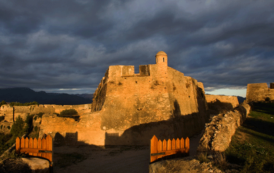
(163, 59)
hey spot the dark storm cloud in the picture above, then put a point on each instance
(65, 44)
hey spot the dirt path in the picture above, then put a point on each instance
(88, 159)
(107, 160)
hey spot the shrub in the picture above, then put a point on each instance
(23, 104)
(17, 129)
(3, 102)
(202, 157)
(29, 126)
(68, 113)
(35, 128)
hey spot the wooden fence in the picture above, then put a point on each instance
(35, 147)
(159, 149)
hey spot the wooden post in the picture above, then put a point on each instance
(22, 143)
(153, 148)
(164, 145)
(187, 144)
(17, 145)
(35, 145)
(182, 143)
(173, 144)
(178, 146)
(44, 147)
(30, 145)
(168, 144)
(39, 146)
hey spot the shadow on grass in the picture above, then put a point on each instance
(267, 108)
(259, 126)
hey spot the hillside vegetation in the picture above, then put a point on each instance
(252, 146)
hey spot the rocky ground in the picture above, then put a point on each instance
(14, 166)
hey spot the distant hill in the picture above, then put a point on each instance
(88, 96)
(23, 95)
(241, 99)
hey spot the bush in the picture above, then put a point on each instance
(4, 144)
(3, 102)
(17, 129)
(68, 113)
(23, 104)
(29, 126)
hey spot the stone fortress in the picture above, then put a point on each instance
(129, 108)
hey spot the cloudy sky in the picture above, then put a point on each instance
(67, 45)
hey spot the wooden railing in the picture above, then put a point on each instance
(159, 149)
(35, 147)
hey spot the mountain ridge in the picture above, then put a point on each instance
(23, 95)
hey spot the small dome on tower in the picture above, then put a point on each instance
(161, 53)
(161, 58)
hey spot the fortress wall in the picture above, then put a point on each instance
(233, 100)
(11, 113)
(188, 100)
(183, 90)
(120, 70)
(7, 111)
(270, 94)
(258, 92)
(79, 108)
(86, 131)
(134, 100)
(5, 127)
(100, 94)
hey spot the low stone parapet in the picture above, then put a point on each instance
(219, 131)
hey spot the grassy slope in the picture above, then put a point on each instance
(252, 146)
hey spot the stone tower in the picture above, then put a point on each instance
(161, 62)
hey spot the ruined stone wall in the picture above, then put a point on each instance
(233, 100)
(259, 92)
(11, 113)
(7, 112)
(5, 127)
(67, 130)
(219, 131)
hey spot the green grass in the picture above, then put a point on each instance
(252, 146)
